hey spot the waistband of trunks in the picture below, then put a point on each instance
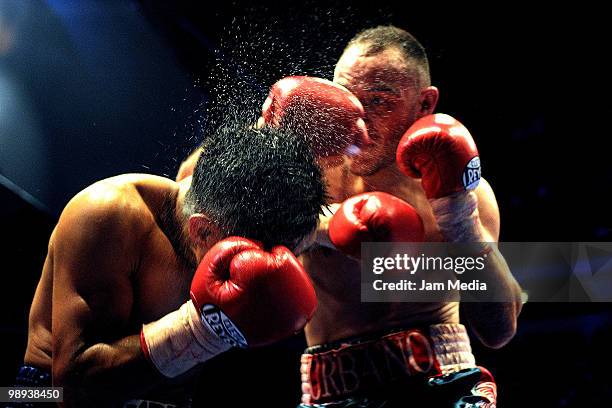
(333, 371)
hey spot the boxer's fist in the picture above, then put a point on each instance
(374, 217)
(241, 296)
(439, 150)
(327, 115)
(266, 296)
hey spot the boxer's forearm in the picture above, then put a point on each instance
(105, 374)
(495, 322)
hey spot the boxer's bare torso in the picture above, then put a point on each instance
(127, 225)
(341, 313)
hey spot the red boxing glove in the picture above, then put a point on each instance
(328, 115)
(374, 217)
(250, 297)
(441, 151)
(241, 296)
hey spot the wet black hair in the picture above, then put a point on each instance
(262, 184)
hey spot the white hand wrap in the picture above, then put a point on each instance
(180, 340)
(458, 220)
(457, 216)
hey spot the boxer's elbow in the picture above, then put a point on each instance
(81, 378)
(66, 374)
(61, 372)
(494, 324)
(498, 336)
(66, 369)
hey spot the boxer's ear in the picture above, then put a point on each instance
(428, 99)
(202, 231)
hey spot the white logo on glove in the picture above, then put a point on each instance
(471, 174)
(222, 326)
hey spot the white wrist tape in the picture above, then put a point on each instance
(180, 340)
(457, 217)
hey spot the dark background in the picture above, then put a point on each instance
(91, 89)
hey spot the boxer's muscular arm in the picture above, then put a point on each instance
(436, 149)
(488, 210)
(94, 252)
(493, 323)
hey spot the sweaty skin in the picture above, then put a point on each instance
(116, 259)
(187, 166)
(394, 95)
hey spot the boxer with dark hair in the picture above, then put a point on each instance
(400, 180)
(123, 312)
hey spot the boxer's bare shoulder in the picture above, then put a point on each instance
(188, 165)
(116, 215)
(105, 247)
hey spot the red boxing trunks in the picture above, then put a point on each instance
(405, 364)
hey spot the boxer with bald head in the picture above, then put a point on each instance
(397, 354)
(122, 312)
